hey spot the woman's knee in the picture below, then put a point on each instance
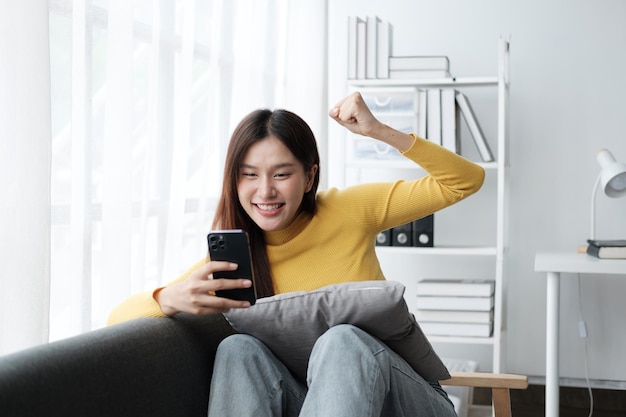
(341, 333)
(240, 344)
(348, 332)
(348, 338)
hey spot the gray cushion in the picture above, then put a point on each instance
(290, 323)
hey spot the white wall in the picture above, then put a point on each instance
(567, 100)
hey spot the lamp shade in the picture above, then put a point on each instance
(612, 179)
(612, 175)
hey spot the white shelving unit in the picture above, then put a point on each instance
(464, 258)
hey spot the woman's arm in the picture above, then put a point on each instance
(450, 178)
(193, 292)
(451, 169)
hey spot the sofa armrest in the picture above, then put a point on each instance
(148, 366)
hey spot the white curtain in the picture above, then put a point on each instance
(114, 193)
(24, 174)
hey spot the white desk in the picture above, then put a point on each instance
(554, 263)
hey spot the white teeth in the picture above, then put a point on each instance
(268, 207)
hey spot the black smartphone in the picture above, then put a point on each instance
(233, 246)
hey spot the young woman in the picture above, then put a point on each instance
(302, 240)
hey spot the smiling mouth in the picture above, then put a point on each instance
(269, 207)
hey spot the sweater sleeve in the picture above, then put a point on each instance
(448, 179)
(450, 170)
(144, 304)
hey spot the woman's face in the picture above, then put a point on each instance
(272, 183)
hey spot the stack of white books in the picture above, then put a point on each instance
(419, 67)
(455, 307)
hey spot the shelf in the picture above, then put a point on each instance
(440, 250)
(362, 163)
(457, 339)
(420, 82)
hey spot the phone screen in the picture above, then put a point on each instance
(233, 246)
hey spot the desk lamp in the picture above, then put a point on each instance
(612, 177)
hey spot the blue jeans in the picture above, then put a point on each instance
(350, 373)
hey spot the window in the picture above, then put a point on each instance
(144, 97)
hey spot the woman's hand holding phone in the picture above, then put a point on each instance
(195, 295)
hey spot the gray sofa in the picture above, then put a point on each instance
(144, 367)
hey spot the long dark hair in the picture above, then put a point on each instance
(297, 136)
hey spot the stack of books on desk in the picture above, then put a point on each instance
(455, 307)
(607, 249)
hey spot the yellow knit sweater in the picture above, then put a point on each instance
(337, 244)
